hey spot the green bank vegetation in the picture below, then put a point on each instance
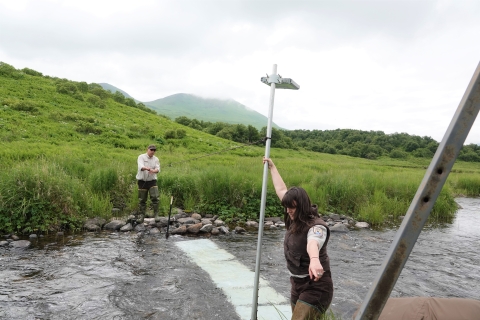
(66, 156)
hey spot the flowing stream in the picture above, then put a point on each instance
(132, 276)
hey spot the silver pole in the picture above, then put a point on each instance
(264, 198)
(427, 193)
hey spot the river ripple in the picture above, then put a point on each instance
(127, 276)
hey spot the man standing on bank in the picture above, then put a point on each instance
(305, 248)
(148, 167)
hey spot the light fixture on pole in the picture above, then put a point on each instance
(274, 81)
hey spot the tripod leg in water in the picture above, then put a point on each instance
(169, 213)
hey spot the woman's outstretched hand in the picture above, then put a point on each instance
(269, 161)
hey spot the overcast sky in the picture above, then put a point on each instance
(393, 66)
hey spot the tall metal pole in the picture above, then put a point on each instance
(264, 196)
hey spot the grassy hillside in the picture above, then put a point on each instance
(68, 151)
(212, 110)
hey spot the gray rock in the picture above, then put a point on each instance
(188, 220)
(280, 224)
(127, 227)
(207, 228)
(15, 237)
(20, 244)
(251, 224)
(239, 230)
(91, 227)
(273, 219)
(163, 221)
(196, 216)
(96, 221)
(180, 230)
(115, 211)
(334, 216)
(215, 231)
(206, 221)
(4, 243)
(218, 223)
(154, 231)
(140, 227)
(223, 229)
(114, 225)
(339, 227)
(194, 228)
(60, 234)
(362, 225)
(180, 215)
(149, 221)
(33, 236)
(268, 224)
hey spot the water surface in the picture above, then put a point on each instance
(129, 276)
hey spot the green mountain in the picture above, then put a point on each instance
(195, 107)
(114, 89)
(212, 110)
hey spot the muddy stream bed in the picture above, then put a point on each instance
(109, 275)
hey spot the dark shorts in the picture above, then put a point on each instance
(146, 184)
(316, 293)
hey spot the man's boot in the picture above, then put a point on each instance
(155, 198)
(304, 311)
(142, 204)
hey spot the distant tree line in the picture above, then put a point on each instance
(354, 143)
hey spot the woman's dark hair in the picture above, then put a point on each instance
(298, 198)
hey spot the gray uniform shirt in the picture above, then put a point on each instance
(145, 161)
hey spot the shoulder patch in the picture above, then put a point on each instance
(317, 230)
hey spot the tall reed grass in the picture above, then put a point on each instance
(61, 185)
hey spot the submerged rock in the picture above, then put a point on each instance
(114, 225)
(362, 225)
(154, 231)
(127, 227)
(239, 230)
(339, 227)
(20, 244)
(251, 224)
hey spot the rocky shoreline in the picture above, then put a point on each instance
(183, 223)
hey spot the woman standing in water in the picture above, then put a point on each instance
(305, 248)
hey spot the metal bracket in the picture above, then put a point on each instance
(280, 83)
